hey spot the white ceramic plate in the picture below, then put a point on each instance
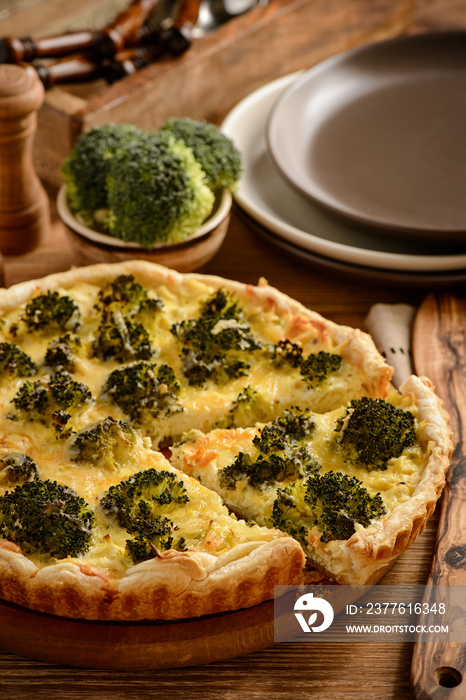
(377, 135)
(267, 197)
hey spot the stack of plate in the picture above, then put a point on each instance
(359, 164)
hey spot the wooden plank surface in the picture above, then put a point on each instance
(362, 671)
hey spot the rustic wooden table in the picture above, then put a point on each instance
(365, 671)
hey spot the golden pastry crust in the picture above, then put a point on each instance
(180, 584)
(172, 586)
(370, 551)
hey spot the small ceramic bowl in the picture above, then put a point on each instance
(90, 246)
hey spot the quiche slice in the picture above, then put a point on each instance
(355, 485)
(135, 539)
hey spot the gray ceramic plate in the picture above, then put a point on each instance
(378, 135)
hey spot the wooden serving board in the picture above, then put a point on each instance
(142, 645)
(439, 351)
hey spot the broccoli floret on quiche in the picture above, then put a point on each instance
(17, 468)
(143, 391)
(217, 343)
(332, 504)
(141, 505)
(372, 431)
(14, 362)
(62, 352)
(51, 312)
(49, 399)
(44, 517)
(280, 454)
(104, 443)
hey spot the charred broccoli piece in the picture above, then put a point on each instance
(332, 503)
(372, 431)
(143, 391)
(279, 456)
(141, 505)
(103, 443)
(128, 296)
(213, 150)
(121, 336)
(61, 353)
(317, 367)
(314, 368)
(121, 339)
(213, 341)
(287, 352)
(44, 517)
(16, 468)
(50, 312)
(47, 398)
(15, 362)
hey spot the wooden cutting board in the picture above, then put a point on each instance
(439, 352)
(148, 644)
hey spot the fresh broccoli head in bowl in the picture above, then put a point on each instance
(126, 187)
(157, 192)
(213, 150)
(85, 169)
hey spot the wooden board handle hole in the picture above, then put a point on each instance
(448, 677)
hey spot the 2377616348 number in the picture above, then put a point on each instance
(401, 608)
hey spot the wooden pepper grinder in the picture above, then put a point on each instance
(24, 206)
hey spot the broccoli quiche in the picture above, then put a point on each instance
(177, 445)
(354, 485)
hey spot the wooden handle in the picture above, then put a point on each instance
(13, 50)
(76, 69)
(178, 37)
(24, 208)
(106, 42)
(439, 350)
(113, 39)
(131, 60)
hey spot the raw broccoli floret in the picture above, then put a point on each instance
(372, 431)
(156, 191)
(51, 311)
(119, 338)
(128, 296)
(103, 443)
(317, 367)
(332, 503)
(143, 391)
(44, 517)
(214, 343)
(216, 152)
(141, 505)
(61, 353)
(280, 454)
(15, 362)
(16, 468)
(85, 169)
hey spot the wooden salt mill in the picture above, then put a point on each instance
(24, 206)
